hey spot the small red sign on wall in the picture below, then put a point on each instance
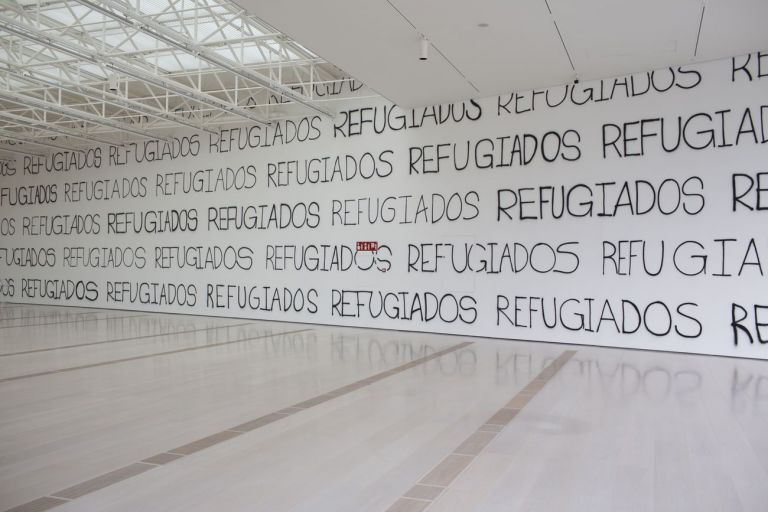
(368, 246)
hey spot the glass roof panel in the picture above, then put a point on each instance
(207, 70)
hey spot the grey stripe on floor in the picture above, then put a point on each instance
(118, 475)
(440, 477)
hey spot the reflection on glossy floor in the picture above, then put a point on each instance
(127, 411)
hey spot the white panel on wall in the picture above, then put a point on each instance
(729, 26)
(627, 36)
(517, 36)
(629, 212)
(371, 41)
(377, 41)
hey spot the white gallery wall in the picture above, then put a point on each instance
(630, 212)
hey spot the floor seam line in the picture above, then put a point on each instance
(146, 356)
(118, 340)
(73, 321)
(452, 474)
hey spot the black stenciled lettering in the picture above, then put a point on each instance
(738, 316)
(746, 68)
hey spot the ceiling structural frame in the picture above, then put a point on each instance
(12, 150)
(24, 100)
(42, 125)
(116, 65)
(133, 17)
(18, 138)
(106, 96)
(108, 71)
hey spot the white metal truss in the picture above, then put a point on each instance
(109, 71)
(43, 126)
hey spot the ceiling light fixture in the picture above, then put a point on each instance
(424, 48)
(114, 84)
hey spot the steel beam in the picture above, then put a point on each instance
(14, 136)
(23, 99)
(113, 99)
(40, 125)
(15, 151)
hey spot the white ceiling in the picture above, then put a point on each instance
(377, 41)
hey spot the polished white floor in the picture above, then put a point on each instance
(613, 430)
